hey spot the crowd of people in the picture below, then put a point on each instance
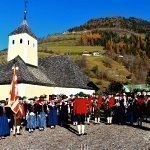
(78, 110)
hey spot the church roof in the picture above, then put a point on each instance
(58, 71)
(64, 72)
(26, 73)
(23, 28)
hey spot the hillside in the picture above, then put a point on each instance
(130, 24)
(124, 53)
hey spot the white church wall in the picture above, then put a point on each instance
(31, 91)
(36, 90)
(4, 91)
(69, 91)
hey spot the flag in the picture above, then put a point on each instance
(22, 110)
(15, 106)
(14, 102)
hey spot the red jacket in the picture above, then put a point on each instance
(140, 101)
(80, 106)
(89, 102)
(111, 102)
(99, 101)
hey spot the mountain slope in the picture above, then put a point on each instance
(132, 24)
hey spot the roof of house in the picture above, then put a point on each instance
(23, 28)
(58, 71)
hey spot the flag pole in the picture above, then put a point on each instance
(15, 119)
(14, 98)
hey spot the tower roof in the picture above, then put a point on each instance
(23, 28)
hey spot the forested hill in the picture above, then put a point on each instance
(132, 24)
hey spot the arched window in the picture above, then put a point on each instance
(33, 45)
(21, 41)
(28, 42)
(13, 42)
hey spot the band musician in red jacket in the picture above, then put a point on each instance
(80, 110)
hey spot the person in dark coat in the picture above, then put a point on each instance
(10, 116)
(64, 114)
(139, 109)
(130, 111)
(121, 113)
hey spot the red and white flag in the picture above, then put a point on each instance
(14, 102)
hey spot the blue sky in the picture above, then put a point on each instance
(55, 16)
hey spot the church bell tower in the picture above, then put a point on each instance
(23, 42)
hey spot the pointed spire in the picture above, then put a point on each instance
(25, 9)
(24, 27)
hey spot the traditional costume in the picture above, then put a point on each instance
(19, 118)
(4, 127)
(89, 109)
(10, 116)
(110, 101)
(52, 115)
(63, 113)
(42, 112)
(31, 118)
(73, 115)
(139, 109)
(130, 111)
(80, 109)
(96, 112)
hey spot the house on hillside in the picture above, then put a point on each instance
(96, 53)
(66, 32)
(86, 53)
(51, 75)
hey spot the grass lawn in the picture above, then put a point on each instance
(69, 49)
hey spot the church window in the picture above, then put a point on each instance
(33, 45)
(28, 42)
(13, 42)
(21, 41)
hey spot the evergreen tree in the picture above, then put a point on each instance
(148, 79)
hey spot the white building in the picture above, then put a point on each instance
(96, 54)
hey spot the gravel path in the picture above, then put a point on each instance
(99, 137)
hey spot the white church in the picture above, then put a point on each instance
(51, 75)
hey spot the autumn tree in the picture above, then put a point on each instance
(147, 39)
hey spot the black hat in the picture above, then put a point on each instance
(31, 99)
(24, 97)
(71, 95)
(64, 96)
(20, 98)
(2, 101)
